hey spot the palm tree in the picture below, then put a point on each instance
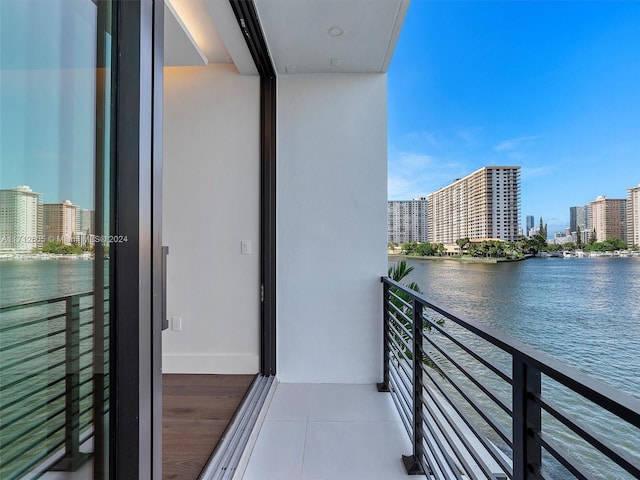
(399, 305)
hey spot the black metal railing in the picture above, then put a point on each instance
(479, 404)
(48, 370)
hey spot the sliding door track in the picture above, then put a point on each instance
(224, 460)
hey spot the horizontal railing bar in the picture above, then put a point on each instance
(405, 379)
(393, 316)
(620, 403)
(87, 366)
(393, 321)
(30, 412)
(486, 443)
(494, 368)
(433, 464)
(485, 415)
(394, 294)
(404, 407)
(436, 438)
(488, 392)
(6, 348)
(29, 323)
(402, 393)
(406, 421)
(28, 394)
(430, 465)
(621, 458)
(459, 435)
(563, 457)
(399, 349)
(36, 460)
(21, 453)
(24, 432)
(48, 368)
(46, 301)
(398, 335)
(35, 356)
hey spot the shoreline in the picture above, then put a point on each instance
(46, 256)
(460, 259)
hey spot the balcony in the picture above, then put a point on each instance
(463, 402)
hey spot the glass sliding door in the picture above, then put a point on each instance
(56, 242)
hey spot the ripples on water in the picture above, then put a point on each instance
(583, 311)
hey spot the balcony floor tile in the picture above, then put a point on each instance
(329, 432)
(278, 452)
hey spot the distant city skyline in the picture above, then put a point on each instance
(549, 86)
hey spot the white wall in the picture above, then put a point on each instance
(332, 234)
(211, 203)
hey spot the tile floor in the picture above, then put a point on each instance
(329, 432)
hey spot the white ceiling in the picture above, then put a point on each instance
(198, 32)
(297, 32)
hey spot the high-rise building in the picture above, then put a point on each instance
(580, 218)
(407, 220)
(85, 225)
(530, 223)
(609, 218)
(20, 219)
(482, 205)
(633, 216)
(61, 222)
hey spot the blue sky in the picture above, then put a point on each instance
(551, 86)
(47, 113)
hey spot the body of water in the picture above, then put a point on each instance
(584, 311)
(26, 280)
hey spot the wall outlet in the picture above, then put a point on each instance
(176, 324)
(245, 247)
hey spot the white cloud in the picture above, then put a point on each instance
(513, 144)
(413, 174)
(529, 172)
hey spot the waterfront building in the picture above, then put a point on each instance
(407, 220)
(608, 218)
(61, 222)
(20, 219)
(530, 223)
(482, 205)
(85, 225)
(633, 216)
(579, 216)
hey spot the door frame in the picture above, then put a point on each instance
(136, 387)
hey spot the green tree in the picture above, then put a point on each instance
(616, 243)
(60, 248)
(400, 311)
(593, 238)
(462, 242)
(578, 237)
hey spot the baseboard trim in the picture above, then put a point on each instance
(208, 364)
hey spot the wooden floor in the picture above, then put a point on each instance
(195, 411)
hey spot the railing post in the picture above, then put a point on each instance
(412, 463)
(527, 420)
(385, 386)
(73, 458)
